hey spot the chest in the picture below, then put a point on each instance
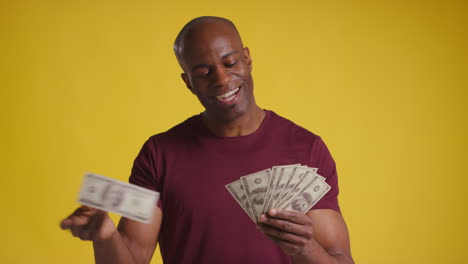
(194, 179)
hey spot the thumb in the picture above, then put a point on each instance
(65, 224)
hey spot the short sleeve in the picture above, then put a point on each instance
(144, 171)
(321, 158)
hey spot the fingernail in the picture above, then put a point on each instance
(273, 212)
(63, 223)
(263, 218)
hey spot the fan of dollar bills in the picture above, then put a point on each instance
(291, 187)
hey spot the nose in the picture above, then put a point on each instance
(220, 77)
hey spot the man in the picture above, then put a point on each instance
(196, 220)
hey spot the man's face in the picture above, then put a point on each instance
(218, 71)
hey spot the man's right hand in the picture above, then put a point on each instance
(131, 242)
(89, 223)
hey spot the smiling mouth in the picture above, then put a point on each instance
(228, 96)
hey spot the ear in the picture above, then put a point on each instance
(248, 58)
(186, 80)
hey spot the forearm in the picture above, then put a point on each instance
(112, 251)
(316, 254)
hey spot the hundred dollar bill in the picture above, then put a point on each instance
(309, 196)
(304, 179)
(280, 175)
(255, 186)
(292, 187)
(297, 181)
(297, 174)
(296, 178)
(115, 196)
(236, 189)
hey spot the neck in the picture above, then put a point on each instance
(241, 126)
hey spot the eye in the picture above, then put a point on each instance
(230, 64)
(201, 73)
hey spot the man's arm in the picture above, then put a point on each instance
(320, 236)
(131, 243)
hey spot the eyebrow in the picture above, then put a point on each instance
(230, 53)
(223, 57)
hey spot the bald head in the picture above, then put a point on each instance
(200, 31)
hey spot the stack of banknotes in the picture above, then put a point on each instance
(291, 187)
(125, 199)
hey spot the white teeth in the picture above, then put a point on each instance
(227, 95)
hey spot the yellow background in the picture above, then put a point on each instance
(84, 83)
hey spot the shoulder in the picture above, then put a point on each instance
(186, 128)
(291, 129)
(181, 132)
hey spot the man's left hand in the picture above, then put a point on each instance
(292, 231)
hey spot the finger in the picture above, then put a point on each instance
(88, 230)
(287, 226)
(83, 211)
(86, 211)
(66, 224)
(78, 222)
(95, 223)
(283, 235)
(274, 238)
(294, 217)
(75, 230)
(286, 246)
(85, 233)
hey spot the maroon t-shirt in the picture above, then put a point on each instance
(190, 167)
